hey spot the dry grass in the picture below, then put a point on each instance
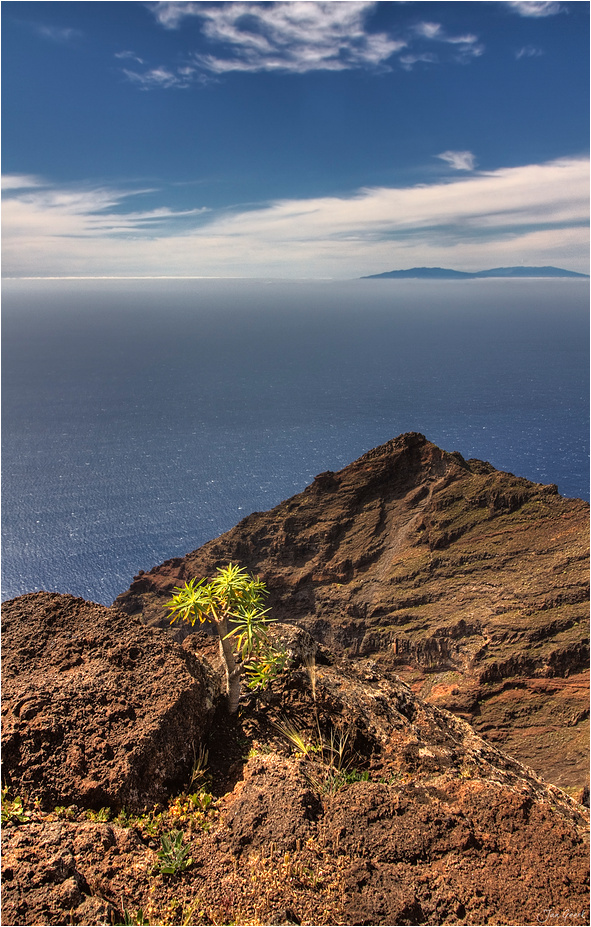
(308, 883)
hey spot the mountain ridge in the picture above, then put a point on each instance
(441, 273)
(469, 584)
(339, 793)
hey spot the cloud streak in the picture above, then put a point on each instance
(20, 182)
(535, 214)
(32, 207)
(532, 8)
(57, 34)
(297, 38)
(161, 78)
(467, 46)
(528, 51)
(459, 160)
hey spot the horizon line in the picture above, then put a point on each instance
(161, 277)
(242, 277)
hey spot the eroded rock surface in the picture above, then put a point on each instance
(470, 584)
(392, 812)
(96, 707)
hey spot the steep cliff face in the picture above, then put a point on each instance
(470, 584)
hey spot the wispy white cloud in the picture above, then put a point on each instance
(528, 51)
(161, 77)
(436, 32)
(20, 181)
(29, 204)
(535, 214)
(407, 62)
(459, 160)
(465, 46)
(535, 8)
(428, 30)
(170, 15)
(296, 37)
(57, 33)
(129, 56)
(468, 40)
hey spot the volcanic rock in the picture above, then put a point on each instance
(470, 584)
(97, 708)
(339, 797)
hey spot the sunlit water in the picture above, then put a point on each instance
(142, 418)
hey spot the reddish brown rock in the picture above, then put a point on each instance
(97, 709)
(419, 821)
(56, 872)
(470, 584)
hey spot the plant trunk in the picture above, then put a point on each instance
(233, 669)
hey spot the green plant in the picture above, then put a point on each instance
(66, 813)
(296, 738)
(232, 597)
(100, 817)
(337, 778)
(335, 766)
(13, 809)
(264, 667)
(328, 760)
(134, 920)
(152, 824)
(150, 821)
(203, 801)
(174, 856)
(398, 777)
(123, 819)
(199, 773)
(196, 810)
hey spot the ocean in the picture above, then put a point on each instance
(140, 418)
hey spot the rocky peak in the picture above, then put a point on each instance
(468, 583)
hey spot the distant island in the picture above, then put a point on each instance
(443, 273)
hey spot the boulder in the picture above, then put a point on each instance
(97, 709)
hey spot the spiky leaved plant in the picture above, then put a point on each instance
(232, 595)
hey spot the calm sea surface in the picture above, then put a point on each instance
(142, 418)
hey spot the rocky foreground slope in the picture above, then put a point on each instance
(336, 796)
(469, 584)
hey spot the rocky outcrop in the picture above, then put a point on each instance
(339, 796)
(470, 584)
(97, 708)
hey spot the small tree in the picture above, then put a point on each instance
(233, 596)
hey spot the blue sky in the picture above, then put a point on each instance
(293, 139)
